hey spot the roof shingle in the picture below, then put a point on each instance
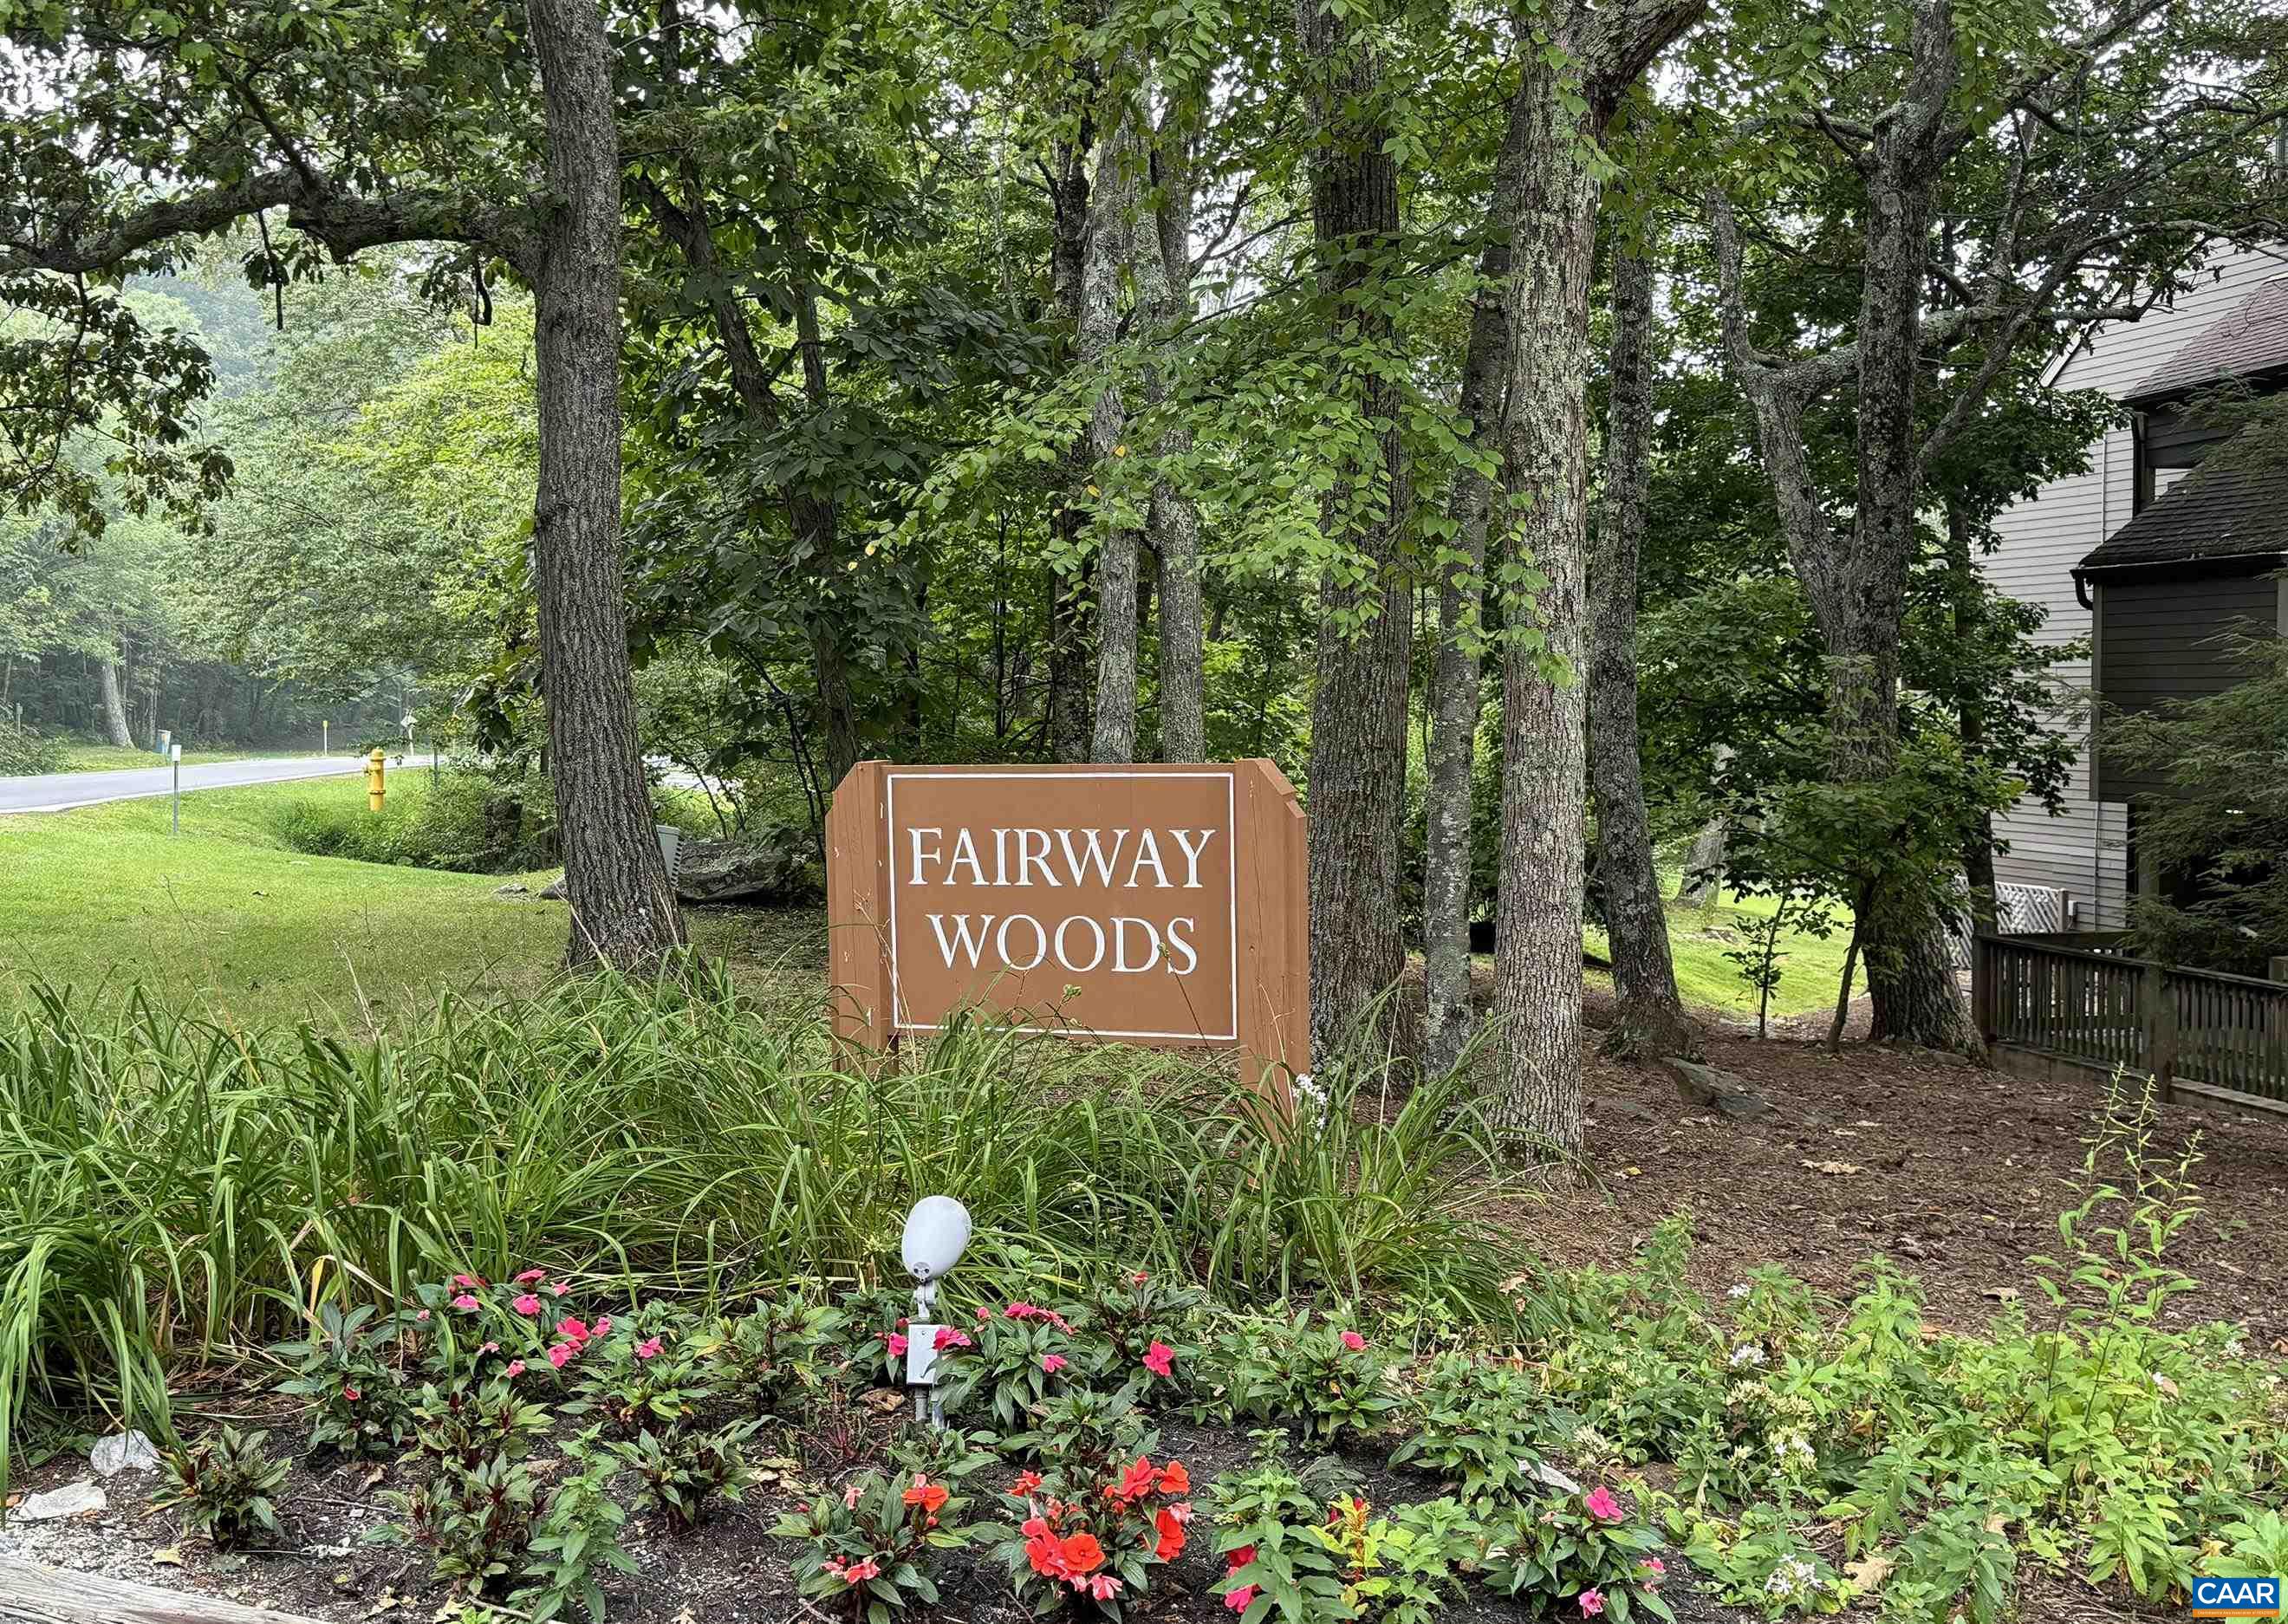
(2221, 510)
(2250, 338)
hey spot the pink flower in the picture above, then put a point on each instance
(603, 1326)
(464, 1301)
(528, 1305)
(1355, 1342)
(1160, 1359)
(530, 1275)
(423, 1316)
(984, 1314)
(515, 1368)
(558, 1290)
(561, 1355)
(860, 1571)
(948, 1337)
(648, 1348)
(850, 1498)
(1104, 1587)
(1592, 1602)
(1239, 1600)
(574, 1331)
(467, 1282)
(352, 1394)
(1140, 1277)
(1655, 1569)
(897, 1344)
(1051, 1363)
(490, 1347)
(1603, 1506)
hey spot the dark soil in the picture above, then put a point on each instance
(730, 1571)
(1957, 1174)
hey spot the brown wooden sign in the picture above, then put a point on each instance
(1161, 905)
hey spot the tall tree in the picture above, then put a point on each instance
(2056, 220)
(1357, 774)
(1571, 87)
(365, 136)
(1650, 1019)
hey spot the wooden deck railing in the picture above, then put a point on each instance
(2097, 1005)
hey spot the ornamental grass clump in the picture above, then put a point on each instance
(170, 1187)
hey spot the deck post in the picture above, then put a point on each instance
(2157, 1013)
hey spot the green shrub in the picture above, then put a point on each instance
(226, 1485)
(24, 750)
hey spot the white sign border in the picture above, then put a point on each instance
(1230, 777)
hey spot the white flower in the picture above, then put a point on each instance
(1738, 1291)
(1747, 1353)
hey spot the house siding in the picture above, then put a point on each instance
(2084, 852)
(2160, 648)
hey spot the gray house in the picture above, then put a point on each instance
(2150, 555)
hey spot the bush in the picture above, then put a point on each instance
(452, 823)
(226, 1485)
(24, 750)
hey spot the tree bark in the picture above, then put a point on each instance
(1970, 705)
(1112, 237)
(114, 708)
(1357, 773)
(623, 913)
(1164, 262)
(1065, 718)
(1651, 1020)
(1544, 766)
(1455, 690)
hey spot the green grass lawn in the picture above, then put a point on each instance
(111, 757)
(1699, 938)
(104, 897)
(226, 917)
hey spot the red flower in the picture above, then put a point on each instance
(929, 1496)
(1235, 1560)
(1174, 1479)
(1137, 1481)
(1082, 1555)
(1171, 1536)
(1160, 1359)
(1027, 1482)
(350, 1393)
(1239, 1600)
(1355, 1342)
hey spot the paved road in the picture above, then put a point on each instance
(58, 791)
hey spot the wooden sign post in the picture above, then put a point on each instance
(1156, 905)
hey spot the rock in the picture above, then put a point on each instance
(513, 889)
(1710, 1089)
(777, 865)
(553, 891)
(73, 1499)
(1554, 1478)
(123, 1452)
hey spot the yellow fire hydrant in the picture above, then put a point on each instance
(374, 792)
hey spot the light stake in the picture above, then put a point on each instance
(936, 1230)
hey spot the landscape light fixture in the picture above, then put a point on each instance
(936, 1230)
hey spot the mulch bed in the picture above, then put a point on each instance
(730, 1571)
(1961, 1174)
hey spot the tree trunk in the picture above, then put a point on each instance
(623, 913)
(1651, 1021)
(1111, 240)
(1456, 692)
(1545, 765)
(1909, 972)
(114, 708)
(1066, 718)
(1357, 781)
(1970, 703)
(1164, 262)
(1544, 745)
